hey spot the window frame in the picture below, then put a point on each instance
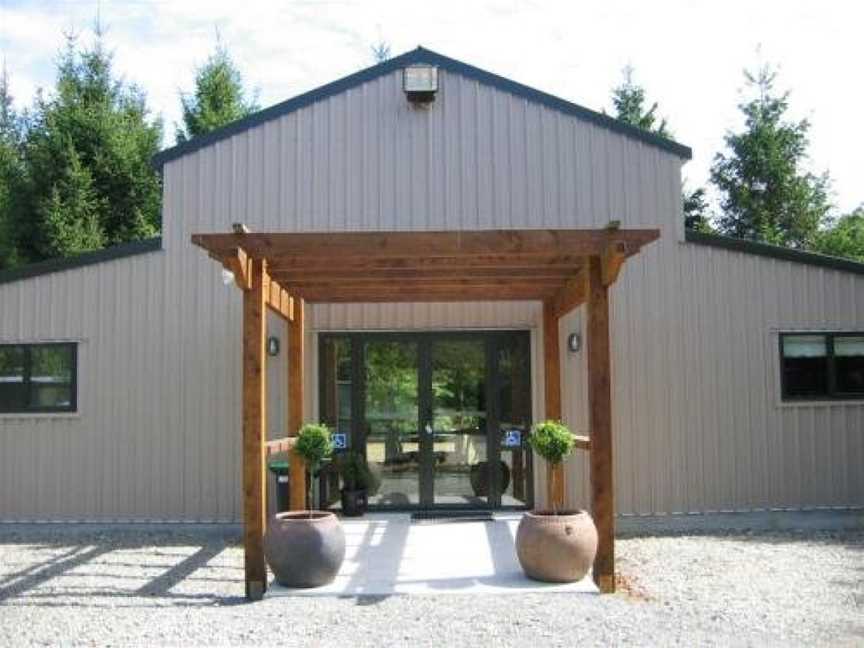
(833, 395)
(28, 371)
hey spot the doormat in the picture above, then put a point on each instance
(438, 517)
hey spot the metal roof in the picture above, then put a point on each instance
(420, 55)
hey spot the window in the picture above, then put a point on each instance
(822, 365)
(38, 378)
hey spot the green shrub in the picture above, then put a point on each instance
(354, 471)
(551, 440)
(313, 445)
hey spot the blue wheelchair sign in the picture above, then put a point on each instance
(340, 441)
(513, 438)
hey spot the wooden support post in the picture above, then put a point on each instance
(552, 373)
(600, 422)
(296, 336)
(254, 432)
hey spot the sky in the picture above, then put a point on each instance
(689, 55)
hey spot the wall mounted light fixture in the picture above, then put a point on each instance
(574, 343)
(272, 346)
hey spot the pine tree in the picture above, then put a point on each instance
(70, 215)
(628, 100)
(218, 99)
(11, 174)
(766, 194)
(696, 212)
(87, 150)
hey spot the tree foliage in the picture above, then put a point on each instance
(629, 102)
(86, 152)
(219, 97)
(381, 51)
(844, 238)
(766, 193)
(11, 174)
(696, 210)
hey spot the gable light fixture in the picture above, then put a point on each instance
(420, 83)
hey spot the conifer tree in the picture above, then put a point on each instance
(87, 153)
(219, 97)
(11, 174)
(766, 194)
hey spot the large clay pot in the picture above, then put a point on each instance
(556, 548)
(303, 549)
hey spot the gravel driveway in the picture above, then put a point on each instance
(82, 586)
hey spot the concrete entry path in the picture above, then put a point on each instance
(388, 553)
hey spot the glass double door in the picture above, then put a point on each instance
(440, 418)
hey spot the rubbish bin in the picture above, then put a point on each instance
(283, 487)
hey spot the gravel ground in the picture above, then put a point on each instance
(85, 587)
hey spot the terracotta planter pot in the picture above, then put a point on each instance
(304, 551)
(556, 548)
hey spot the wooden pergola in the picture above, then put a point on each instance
(562, 268)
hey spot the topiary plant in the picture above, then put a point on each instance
(354, 471)
(313, 446)
(553, 441)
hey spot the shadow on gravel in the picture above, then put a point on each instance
(47, 582)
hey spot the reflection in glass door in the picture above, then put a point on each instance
(459, 422)
(442, 418)
(391, 421)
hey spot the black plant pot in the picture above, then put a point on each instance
(354, 502)
(480, 478)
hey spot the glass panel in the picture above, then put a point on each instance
(804, 346)
(392, 449)
(335, 407)
(51, 376)
(805, 366)
(849, 364)
(514, 398)
(459, 422)
(13, 393)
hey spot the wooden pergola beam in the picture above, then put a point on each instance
(552, 383)
(439, 275)
(277, 446)
(600, 423)
(406, 293)
(570, 295)
(279, 300)
(399, 264)
(240, 265)
(296, 358)
(542, 243)
(254, 431)
(613, 257)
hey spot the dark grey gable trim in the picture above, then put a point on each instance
(79, 261)
(418, 55)
(774, 251)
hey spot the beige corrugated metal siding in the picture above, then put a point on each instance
(697, 420)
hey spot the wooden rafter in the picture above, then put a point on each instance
(541, 243)
(613, 257)
(240, 265)
(493, 265)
